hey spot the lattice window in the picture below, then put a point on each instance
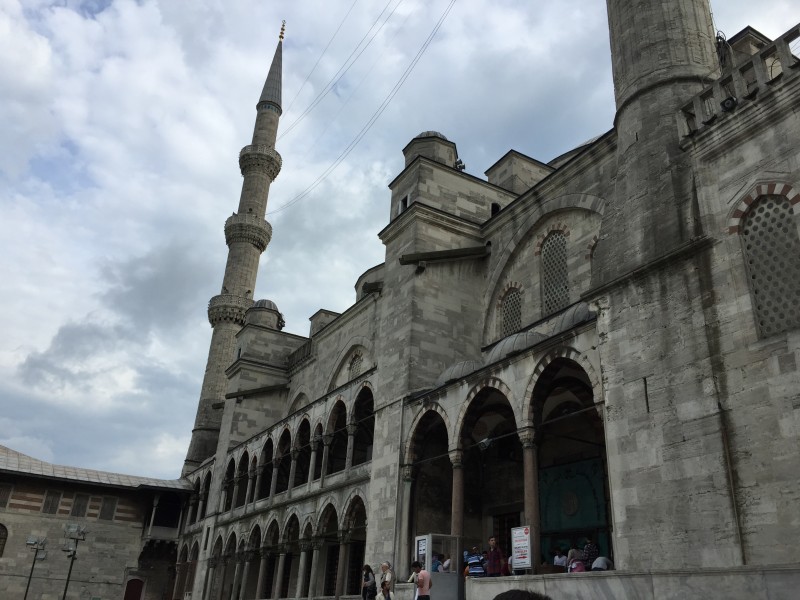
(108, 508)
(555, 283)
(5, 494)
(772, 254)
(355, 366)
(79, 505)
(512, 312)
(51, 501)
(3, 538)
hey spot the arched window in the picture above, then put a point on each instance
(555, 283)
(511, 312)
(354, 370)
(772, 254)
(3, 538)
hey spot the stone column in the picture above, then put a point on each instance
(223, 562)
(457, 496)
(313, 463)
(403, 563)
(300, 591)
(326, 451)
(316, 545)
(153, 515)
(209, 580)
(530, 466)
(351, 440)
(341, 568)
(238, 482)
(274, 484)
(259, 477)
(180, 572)
(225, 490)
(250, 481)
(200, 507)
(262, 572)
(249, 555)
(181, 515)
(237, 574)
(293, 468)
(281, 566)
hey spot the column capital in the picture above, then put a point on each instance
(345, 536)
(327, 439)
(528, 437)
(295, 453)
(456, 458)
(352, 428)
(250, 554)
(305, 545)
(213, 562)
(408, 472)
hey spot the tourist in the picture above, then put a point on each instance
(475, 563)
(386, 591)
(575, 561)
(601, 563)
(559, 560)
(590, 553)
(446, 564)
(369, 588)
(436, 564)
(495, 561)
(424, 583)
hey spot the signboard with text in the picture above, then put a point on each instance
(521, 548)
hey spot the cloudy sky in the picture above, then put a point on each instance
(120, 126)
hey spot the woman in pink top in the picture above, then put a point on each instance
(423, 581)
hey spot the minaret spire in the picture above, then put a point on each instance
(247, 234)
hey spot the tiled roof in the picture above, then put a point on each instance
(12, 461)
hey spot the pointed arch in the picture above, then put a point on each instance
(340, 374)
(336, 433)
(488, 382)
(408, 453)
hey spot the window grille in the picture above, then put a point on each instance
(355, 366)
(79, 505)
(555, 284)
(512, 312)
(108, 508)
(3, 538)
(772, 254)
(51, 501)
(5, 495)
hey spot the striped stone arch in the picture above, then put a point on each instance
(329, 500)
(351, 409)
(511, 285)
(251, 532)
(556, 353)
(265, 537)
(761, 189)
(357, 493)
(292, 512)
(307, 524)
(590, 248)
(299, 421)
(333, 403)
(562, 227)
(487, 382)
(425, 409)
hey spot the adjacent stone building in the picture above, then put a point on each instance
(604, 345)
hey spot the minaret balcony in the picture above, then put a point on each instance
(260, 158)
(228, 308)
(248, 228)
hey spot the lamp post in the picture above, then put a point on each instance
(38, 545)
(73, 534)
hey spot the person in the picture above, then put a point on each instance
(475, 563)
(387, 575)
(386, 591)
(575, 560)
(521, 595)
(559, 560)
(424, 583)
(436, 564)
(494, 559)
(446, 564)
(590, 553)
(369, 588)
(601, 563)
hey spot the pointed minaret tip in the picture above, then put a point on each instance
(271, 93)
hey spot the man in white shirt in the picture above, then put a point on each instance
(559, 560)
(601, 563)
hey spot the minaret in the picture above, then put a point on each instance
(663, 53)
(247, 234)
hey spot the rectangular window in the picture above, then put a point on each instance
(79, 505)
(108, 508)
(5, 494)
(51, 501)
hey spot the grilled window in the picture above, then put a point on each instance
(51, 501)
(355, 366)
(5, 494)
(3, 538)
(108, 508)
(555, 283)
(79, 505)
(772, 255)
(512, 312)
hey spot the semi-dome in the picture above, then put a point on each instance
(513, 344)
(577, 313)
(457, 371)
(426, 134)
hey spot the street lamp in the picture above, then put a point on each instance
(36, 544)
(73, 533)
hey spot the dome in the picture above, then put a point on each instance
(266, 304)
(457, 371)
(435, 134)
(513, 344)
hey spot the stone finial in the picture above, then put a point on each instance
(283, 30)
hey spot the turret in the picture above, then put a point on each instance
(663, 53)
(247, 234)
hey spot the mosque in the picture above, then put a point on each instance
(602, 346)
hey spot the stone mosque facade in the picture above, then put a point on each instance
(605, 345)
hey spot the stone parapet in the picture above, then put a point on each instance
(248, 228)
(260, 158)
(228, 308)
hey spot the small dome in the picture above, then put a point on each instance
(435, 134)
(457, 371)
(513, 344)
(266, 304)
(574, 315)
